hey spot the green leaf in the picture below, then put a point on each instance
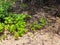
(1, 27)
(7, 27)
(16, 35)
(12, 28)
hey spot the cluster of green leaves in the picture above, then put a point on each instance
(42, 22)
(1, 27)
(22, 5)
(4, 5)
(14, 23)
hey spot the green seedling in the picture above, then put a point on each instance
(37, 26)
(1, 27)
(22, 5)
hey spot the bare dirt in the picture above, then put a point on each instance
(38, 38)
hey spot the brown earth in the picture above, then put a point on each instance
(38, 38)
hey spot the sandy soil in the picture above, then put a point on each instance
(38, 38)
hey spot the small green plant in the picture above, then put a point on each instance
(4, 5)
(15, 24)
(16, 35)
(43, 21)
(12, 28)
(1, 27)
(8, 20)
(36, 26)
(6, 27)
(22, 5)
